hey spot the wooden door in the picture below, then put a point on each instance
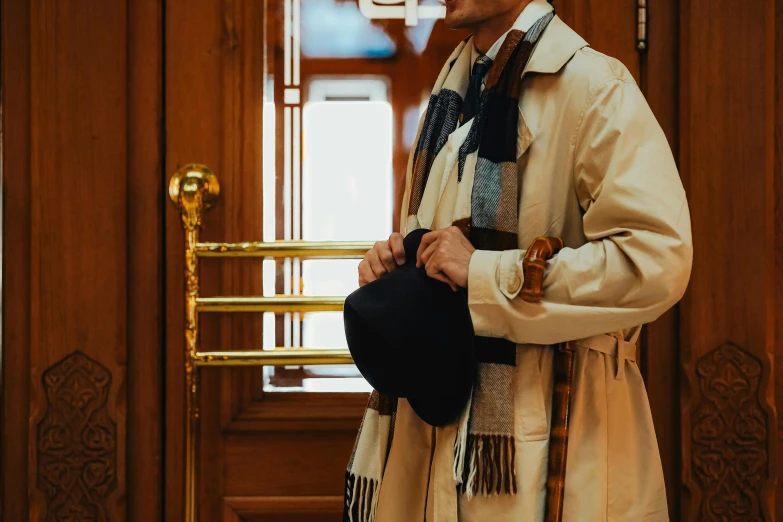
(82, 302)
(252, 90)
(103, 101)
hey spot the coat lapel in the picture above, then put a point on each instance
(556, 47)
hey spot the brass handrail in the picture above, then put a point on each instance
(300, 249)
(270, 304)
(194, 189)
(277, 357)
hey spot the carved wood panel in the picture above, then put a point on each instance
(82, 236)
(77, 441)
(730, 436)
(727, 144)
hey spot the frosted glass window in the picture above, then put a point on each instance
(347, 185)
(337, 118)
(269, 217)
(346, 196)
(269, 179)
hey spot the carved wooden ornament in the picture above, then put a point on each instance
(77, 446)
(730, 431)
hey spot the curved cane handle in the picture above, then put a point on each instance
(542, 249)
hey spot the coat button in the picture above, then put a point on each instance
(516, 282)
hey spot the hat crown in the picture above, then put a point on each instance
(412, 242)
(411, 336)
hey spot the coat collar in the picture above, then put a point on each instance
(557, 46)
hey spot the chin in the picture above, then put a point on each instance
(454, 20)
(463, 14)
(452, 24)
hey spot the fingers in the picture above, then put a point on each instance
(366, 274)
(385, 256)
(435, 271)
(397, 248)
(426, 240)
(381, 259)
(375, 265)
(440, 276)
(425, 256)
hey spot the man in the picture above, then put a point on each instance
(591, 165)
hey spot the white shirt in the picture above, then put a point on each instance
(529, 15)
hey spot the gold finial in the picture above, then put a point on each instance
(194, 188)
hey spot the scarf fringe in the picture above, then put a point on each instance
(461, 443)
(491, 466)
(361, 499)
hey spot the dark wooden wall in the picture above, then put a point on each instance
(660, 362)
(82, 274)
(777, 180)
(606, 27)
(92, 263)
(731, 313)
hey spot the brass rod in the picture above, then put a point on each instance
(280, 357)
(194, 189)
(270, 304)
(301, 249)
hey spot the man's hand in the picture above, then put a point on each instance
(446, 256)
(384, 257)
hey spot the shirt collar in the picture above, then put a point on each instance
(557, 45)
(529, 15)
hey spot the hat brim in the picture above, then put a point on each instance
(442, 404)
(412, 336)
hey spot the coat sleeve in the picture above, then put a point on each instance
(637, 260)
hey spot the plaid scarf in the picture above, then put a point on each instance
(486, 210)
(368, 460)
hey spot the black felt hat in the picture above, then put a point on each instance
(412, 336)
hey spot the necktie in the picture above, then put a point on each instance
(470, 106)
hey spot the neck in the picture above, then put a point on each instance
(488, 32)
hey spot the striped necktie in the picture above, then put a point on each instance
(470, 106)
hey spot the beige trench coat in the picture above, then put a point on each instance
(599, 173)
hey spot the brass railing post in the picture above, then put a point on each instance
(194, 189)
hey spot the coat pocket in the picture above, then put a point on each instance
(530, 401)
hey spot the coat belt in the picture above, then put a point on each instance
(614, 345)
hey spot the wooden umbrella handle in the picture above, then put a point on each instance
(542, 249)
(558, 433)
